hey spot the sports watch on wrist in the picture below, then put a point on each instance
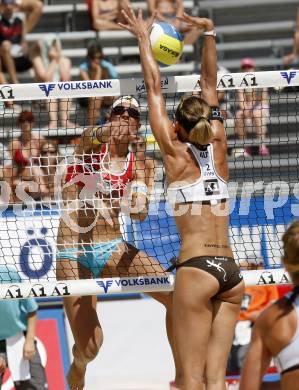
(211, 33)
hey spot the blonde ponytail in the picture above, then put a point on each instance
(201, 133)
(193, 114)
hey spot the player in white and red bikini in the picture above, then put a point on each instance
(90, 242)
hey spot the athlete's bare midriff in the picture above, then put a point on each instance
(109, 10)
(96, 226)
(203, 228)
(202, 232)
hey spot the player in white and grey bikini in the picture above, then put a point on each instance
(209, 286)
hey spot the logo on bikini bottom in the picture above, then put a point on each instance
(213, 264)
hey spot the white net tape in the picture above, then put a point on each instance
(28, 232)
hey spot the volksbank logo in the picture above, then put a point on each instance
(288, 75)
(131, 282)
(76, 85)
(47, 88)
(105, 284)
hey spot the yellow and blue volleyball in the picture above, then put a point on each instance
(167, 43)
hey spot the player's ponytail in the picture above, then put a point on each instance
(201, 133)
(193, 114)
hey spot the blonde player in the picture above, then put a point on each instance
(209, 287)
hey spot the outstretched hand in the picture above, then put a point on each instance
(136, 24)
(204, 24)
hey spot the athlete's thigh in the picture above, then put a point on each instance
(129, 261)
(67, 269)
(193, 313)
(226, 309)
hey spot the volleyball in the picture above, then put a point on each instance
(167, 43)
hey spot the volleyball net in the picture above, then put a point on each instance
(63, 232)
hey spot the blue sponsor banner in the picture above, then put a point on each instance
(28, 239)
(256, 227)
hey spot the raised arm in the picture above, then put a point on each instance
(179, 8)
(92, 137)
(160, 124)
(208, 72)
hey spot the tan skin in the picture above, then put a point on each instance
(126, 261)
(170, 11)
(2, 365)
(254, 105)
(289, 58)
(107, 14)
(49, 160)
(33, 10)
(166, 8)
(273, 331)
(207, 318)
(58, 110)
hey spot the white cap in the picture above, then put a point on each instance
(127, 99)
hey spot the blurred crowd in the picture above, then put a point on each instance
(30, 159)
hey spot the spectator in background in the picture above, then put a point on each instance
(17, 339)
(51, 66)
(25, 152)
(105, 15)
(289, 58)
(255, 300)
(49, 160)
(13, 47)
(254, 107)
(95, 67)
(224, 97)
(7, 103)
(167, 10)
(33, 10)
(170, 11)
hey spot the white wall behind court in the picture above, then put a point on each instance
(135, 354)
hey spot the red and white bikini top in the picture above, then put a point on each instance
(94, 178)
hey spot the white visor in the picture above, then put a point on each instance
(127, 99)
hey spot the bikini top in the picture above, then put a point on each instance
(209, 188)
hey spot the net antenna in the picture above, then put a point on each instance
(263, 190)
